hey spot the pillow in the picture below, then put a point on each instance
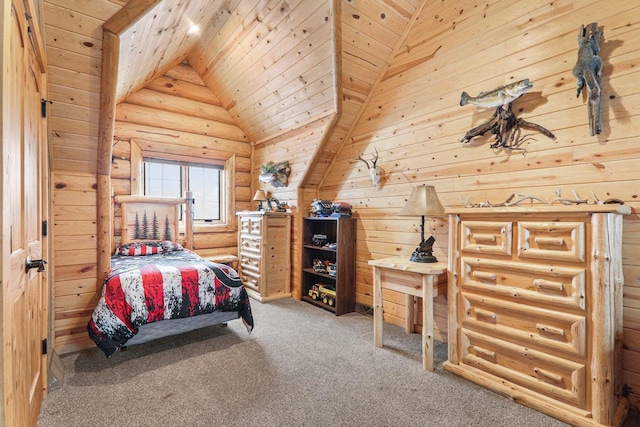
(148, 248)
(170, 246)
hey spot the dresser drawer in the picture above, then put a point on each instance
(529, 283)
(251, 279)
(250, 244)
(488, 237)
(548, 375)
(255, 226)
(249, 261)
(250, 225)
(552, 241)
(244, 225)
(552, 331)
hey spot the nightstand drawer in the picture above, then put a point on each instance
(533, 327)
(487, 237)
(529, 283)
(552, 241)
(539, 372)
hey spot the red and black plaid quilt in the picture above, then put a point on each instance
(174, 284)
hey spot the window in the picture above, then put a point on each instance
(170, 178)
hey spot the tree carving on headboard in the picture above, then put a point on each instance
(145, 231)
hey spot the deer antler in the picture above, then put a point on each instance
(375, 159)
(365, 162)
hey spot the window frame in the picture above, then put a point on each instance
(227, 211)
(185, 181)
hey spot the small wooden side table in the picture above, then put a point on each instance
(413, 279)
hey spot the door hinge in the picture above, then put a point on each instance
(44, 107)
(44, 227)
(44, 346)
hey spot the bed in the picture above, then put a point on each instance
(157, 287)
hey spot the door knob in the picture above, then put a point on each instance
(36, 263)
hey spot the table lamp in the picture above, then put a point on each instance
(260, 196)
(422, 202)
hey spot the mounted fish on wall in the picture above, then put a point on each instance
(498, 97)
(503, 124)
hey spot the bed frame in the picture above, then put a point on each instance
(164, 212)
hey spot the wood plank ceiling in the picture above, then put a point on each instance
(271, 62)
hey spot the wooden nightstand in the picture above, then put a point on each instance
(413, 279)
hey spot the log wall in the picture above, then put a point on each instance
(415, 122)
(178, 117)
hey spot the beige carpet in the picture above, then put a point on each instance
(301, 366)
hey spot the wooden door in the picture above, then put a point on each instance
(23, 322)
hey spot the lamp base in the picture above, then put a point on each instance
(418, 256)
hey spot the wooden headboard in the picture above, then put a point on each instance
(150, 218)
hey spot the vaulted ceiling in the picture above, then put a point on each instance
(274, 64)
(271, 62)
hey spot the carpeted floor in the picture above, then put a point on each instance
(301, 366)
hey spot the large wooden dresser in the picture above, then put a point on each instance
(535, 307)
(264, 255)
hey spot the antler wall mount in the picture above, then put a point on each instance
(375, 171)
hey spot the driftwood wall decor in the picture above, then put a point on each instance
(503, 124)
(588, 72)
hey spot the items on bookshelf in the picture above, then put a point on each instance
(325, 208)
(319, 239)
(324, 293)
(328, 267)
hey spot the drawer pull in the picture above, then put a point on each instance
(484, 352)
(481, 275)
(485, 238)
(546, 375)
(549, 241)
(485, 313)
(548, 285)
(550, 330)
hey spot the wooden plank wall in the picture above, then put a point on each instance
(368, 34)
(415, 122)
(296, 147)
(370, 31)
(74, 41)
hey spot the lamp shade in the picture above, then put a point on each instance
(423, 201)
(259, 196)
